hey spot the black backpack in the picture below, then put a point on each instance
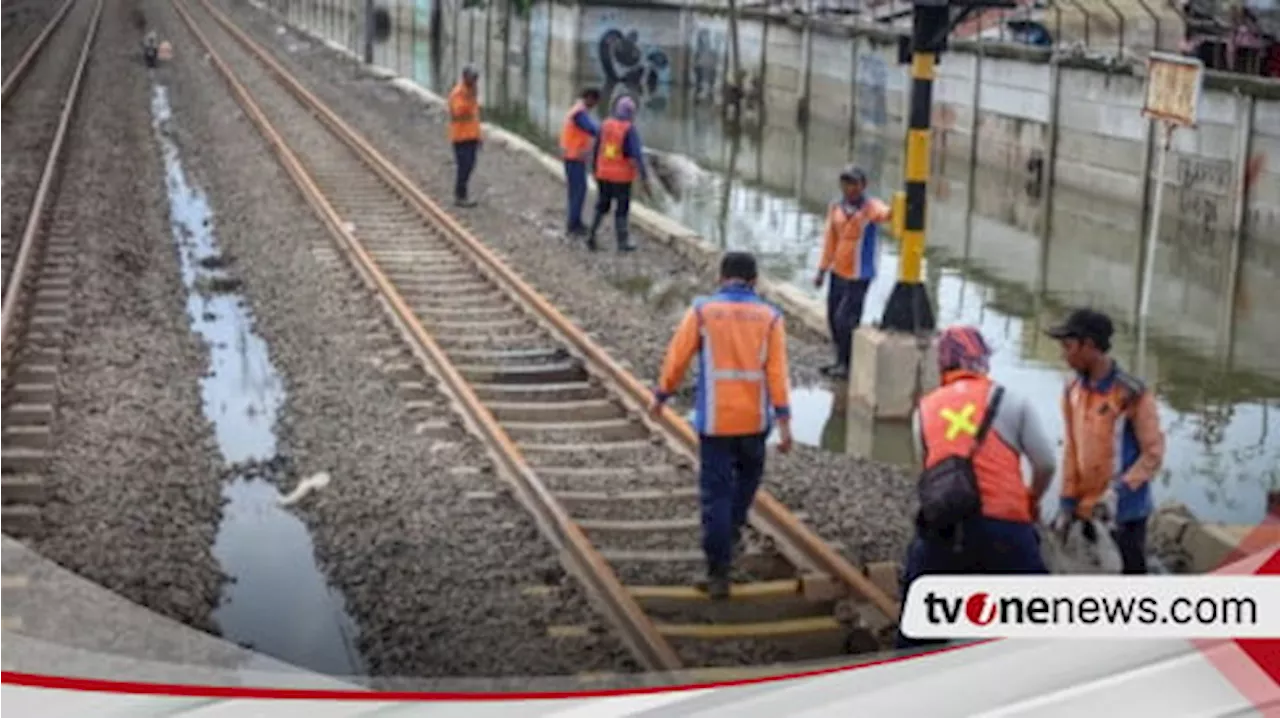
(948, 490)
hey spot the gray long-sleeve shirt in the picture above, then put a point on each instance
(1017, 424)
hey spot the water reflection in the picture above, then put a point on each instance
(1006, 254)
(277, 601)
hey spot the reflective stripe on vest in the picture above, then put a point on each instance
(575, 143)
(612, 165)
(713, 376)
(949, 420)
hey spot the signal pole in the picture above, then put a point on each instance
(908, 309)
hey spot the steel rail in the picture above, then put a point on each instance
(639, 632)
(770, 514)
(35, 217)
(24, 63)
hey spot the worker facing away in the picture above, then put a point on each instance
(976, 514)
(741, 345)
(464, 132)
(849, 249)
(576, 138)
(1113, 438)
(618, 159)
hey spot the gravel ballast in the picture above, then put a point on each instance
(863, 507)
(134, 473)
(30, 118)
(443, 571)
(23, 21)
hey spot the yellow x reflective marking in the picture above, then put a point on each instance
(612, 151)
(960, 421)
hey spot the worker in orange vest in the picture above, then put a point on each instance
(464, 132)
(576, 137)
(1113, 437)
(741, 345)
(849, 249)
(618, 159)
(976, 513)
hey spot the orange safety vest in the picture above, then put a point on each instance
(949, 419)
(740, 342)
(613, 165)
(850, 240)
(575, 142)
(464, 115)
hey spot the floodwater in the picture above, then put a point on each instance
(1001, 257)
(277, 601)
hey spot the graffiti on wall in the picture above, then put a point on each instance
(706, 61)
(630, 65)
(1198, 242)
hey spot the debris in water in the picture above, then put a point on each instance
(304, 487)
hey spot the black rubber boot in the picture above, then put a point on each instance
(718, 584)
(624, 241)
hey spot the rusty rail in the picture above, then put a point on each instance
(35, 217)
(638, 630)
(799, 536)
(24, 63)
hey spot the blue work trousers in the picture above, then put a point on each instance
(1131, 539)
(845, 298)
(464, 156)
(575, 175)
(729, 473)
(987, 546)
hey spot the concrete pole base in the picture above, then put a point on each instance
(886, 367)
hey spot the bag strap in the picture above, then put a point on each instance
(987, 418)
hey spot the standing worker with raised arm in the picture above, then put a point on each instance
(575, 143)
(1113, 438)
(464, 132)
(849, 249)
(971, 434)
(741, 345)
(618, 158)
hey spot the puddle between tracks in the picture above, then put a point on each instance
(277, 601)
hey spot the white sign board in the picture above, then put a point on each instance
(1173, 88)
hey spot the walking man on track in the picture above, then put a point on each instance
(576, 138)
(464, 132)
(741, 345)
(971, 434)
(618, 158)
(1113, 438)
(849, 249)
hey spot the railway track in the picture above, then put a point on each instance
(38, 272)
(612, 489)
(27, 23)
(40, 97)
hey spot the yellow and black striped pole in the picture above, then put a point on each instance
(908, 308)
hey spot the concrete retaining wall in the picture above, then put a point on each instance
(1070, 124)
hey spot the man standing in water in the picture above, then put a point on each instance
(1113, 438)
(464, 132)
(575, 143)
(850, 246)
(619, 158)
(741, 345)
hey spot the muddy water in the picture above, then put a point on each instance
(1002, 257)
(277, 600)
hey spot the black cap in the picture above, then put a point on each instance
(738, 265)
(853, 173)
(1085, 324)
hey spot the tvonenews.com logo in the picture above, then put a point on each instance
(983, 609)
(1093, 606)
